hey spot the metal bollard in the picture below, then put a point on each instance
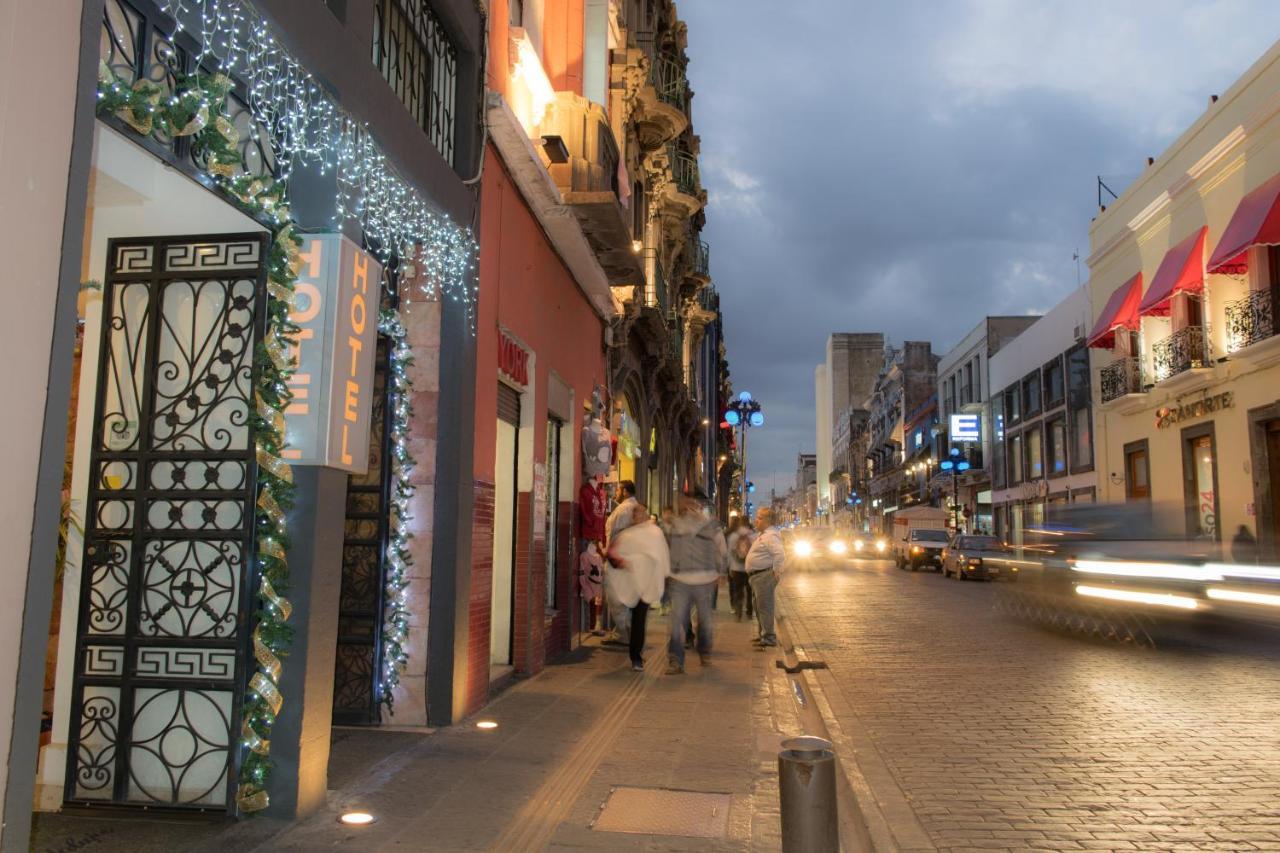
(807, 791)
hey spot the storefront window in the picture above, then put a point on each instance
(555, 430)
(1202, 498)
(1137, 472)
(1054, 385)
(1035, 454)
(1031, 395)
(1012, 406)
(1015, 459)
(1057, 434)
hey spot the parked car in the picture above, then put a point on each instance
(971, 557)
(923, 547)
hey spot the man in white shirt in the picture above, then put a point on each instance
(764, 563)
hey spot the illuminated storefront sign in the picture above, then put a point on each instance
(1169, 415)
(336, 310)
(966, 428)
(513, 360)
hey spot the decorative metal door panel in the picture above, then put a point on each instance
(356, 683)
(165, 597)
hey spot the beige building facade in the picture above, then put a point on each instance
(1184, 285)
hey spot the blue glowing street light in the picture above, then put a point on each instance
(742, 413)
(956, 463)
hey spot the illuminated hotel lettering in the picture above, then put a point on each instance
(328, 421)
(513, 360)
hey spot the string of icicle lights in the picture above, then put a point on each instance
(307, 127)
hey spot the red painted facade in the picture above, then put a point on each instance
(527, 298)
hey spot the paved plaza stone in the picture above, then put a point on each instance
(994, 733)
(565, 740)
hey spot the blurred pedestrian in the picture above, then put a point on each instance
(639, 563)
(765, 562)
(1244, 548)
(620, 519)
(739, 540)
(699, 556)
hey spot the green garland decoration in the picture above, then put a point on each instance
(395, 623)
(196, 107)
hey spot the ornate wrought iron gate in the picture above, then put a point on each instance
(166, 590)
(356, 696)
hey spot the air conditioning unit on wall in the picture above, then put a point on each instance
(1078, 331)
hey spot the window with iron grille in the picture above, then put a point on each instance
(415, 55)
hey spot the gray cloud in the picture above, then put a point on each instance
(909, 167)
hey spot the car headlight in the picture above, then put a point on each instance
(916, 549)
(858, 544)
(803, 548)
(881, 546)
(838, 547)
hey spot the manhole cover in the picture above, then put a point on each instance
(662, 811)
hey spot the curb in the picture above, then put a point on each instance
(884, 821)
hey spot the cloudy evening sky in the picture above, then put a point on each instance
(909, 166)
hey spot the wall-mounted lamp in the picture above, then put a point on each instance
(555, 149)
(1116, 479)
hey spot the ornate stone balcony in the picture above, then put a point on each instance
(590, 184)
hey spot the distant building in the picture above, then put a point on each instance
(963, 388)
(843, 383)
(1041, 416)
(902, 411)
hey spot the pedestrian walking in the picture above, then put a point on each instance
(1244, 548)
(620, 519)
(765, 562)
(699, 556)
(739, 540)
(639, 563)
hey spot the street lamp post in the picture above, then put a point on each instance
(744, 412)
(955, 463)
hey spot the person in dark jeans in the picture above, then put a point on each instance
(741, 599)
(639, 563)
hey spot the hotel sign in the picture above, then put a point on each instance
(336, 310)
(966, 428)
(513, 360)
(1170, 415)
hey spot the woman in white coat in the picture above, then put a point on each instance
(639, 564)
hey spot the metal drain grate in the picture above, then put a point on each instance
(662, 811)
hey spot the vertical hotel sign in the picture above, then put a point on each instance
(336, 310)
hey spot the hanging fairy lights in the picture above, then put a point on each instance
(308, 127)
(305, 127)
(395, 622)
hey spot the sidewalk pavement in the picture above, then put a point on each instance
(585, 732)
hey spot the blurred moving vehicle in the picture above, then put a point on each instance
(868, 546)
(972, 557)
(919, 535)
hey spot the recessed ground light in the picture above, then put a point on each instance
(486, 724)
(356, 818)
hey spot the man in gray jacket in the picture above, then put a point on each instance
(699, 556)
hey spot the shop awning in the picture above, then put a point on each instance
(1181, 271)
(1256, 222)
(1121, 310)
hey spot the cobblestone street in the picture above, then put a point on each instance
(998, 734)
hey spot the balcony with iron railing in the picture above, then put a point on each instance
(661, 95)
(588, 181)
(700, 267)
(1120, 378)
(656, 295)
(1185, 350)
(1250, 321)
(684, 195)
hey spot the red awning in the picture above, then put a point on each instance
(1256, 222)
(1121, 310)
(1182, 270)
